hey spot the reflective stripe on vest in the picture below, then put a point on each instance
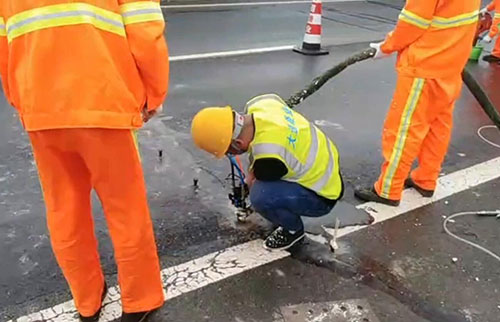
(68, 14)
(309, 156)
(142, 11)
(323, 181)
(64, 15)
(414, 19)
(262, 97)
(439, 22)
(457, 21)
(292, 162)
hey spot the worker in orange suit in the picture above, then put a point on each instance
(433, 39)
(495, 54)
(83, 77)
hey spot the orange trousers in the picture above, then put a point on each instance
(72, 162)
(496, 49)
(493, 33)
(418, 125)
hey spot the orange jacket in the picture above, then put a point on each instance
(83, 63)
(495, 5)
(434, 38)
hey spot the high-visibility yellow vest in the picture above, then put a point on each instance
(311, 158)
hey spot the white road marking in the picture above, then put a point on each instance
(218, 266)
(245, 4)
(230, 53)
(448, 185)
(177, 280)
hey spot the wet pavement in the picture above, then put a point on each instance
(223, 29)
(407, 269)
(403, 268)
(261, 295)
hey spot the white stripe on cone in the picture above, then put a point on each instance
(314, 19)
(314, 8)
(313, 28)
(312, 39)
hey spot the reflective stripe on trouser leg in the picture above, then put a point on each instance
(66, 186)
(395, 151)
(136, 143)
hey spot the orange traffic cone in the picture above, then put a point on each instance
(312, 38)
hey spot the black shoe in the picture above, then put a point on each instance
(369, 194)
(409, 183)
(491, 59)
(135, 317)
(282, 239)
(95, 317)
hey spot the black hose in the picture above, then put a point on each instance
(469, 80)
(480, 95)
(319, 81)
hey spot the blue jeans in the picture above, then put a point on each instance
(283, 203)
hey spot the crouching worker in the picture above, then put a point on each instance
(294, 168)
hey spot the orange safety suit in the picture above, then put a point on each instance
(80, 74)
(433, 39)
(495, 6)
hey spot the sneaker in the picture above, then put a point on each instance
(282, 239)
(135, 317)
(369, 194)
(95, 317)
(491, 59)
(409, 183)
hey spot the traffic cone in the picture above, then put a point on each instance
(312, 38)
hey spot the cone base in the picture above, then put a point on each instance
(311, 52)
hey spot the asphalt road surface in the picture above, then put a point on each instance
(403, 268)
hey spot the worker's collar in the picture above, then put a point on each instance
(239, 121)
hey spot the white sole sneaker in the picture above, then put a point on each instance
(287, 246)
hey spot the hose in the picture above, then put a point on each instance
(480, 95)
(468, 242)
(241, 175)
(319, 81)
(477, 213)
(480, 134)
(469, 80)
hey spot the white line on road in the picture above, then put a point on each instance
(448, 185)
(230, 53)
(218, 266)
(246, 4)
(177, 280)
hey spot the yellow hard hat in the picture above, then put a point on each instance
(212, 130)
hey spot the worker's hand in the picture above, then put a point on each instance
(149, 114)
(379, 54)
(250, 179)
(483, 11)
(487, 39)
